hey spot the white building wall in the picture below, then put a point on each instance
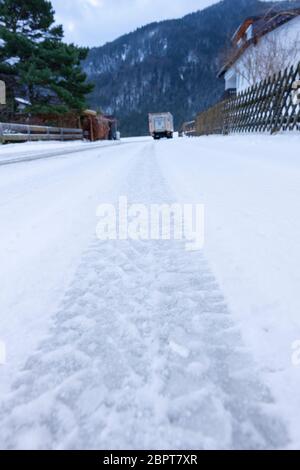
(286, 33)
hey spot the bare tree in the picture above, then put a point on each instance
(265, 54)
(267, 57)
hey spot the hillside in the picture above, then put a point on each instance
(171, 65)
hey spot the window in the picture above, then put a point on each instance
(249, 33)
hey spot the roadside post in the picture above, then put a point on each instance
(2, 102)
(2, 93)
(296, 92)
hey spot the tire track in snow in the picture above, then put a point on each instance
(142, 354)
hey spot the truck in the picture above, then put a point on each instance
(161, 125)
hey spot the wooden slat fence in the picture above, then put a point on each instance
(211, 121)
(266, 107)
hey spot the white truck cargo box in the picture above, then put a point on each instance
(161, 125)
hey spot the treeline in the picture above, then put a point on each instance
(35, 62)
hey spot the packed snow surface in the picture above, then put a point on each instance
(138, 344)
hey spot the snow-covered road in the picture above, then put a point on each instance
(142, 344)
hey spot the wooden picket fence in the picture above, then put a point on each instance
(268, 106)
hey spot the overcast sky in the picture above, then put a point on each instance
(94, 22)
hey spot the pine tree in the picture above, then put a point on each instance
(23, 24)
(33, 19)
(59, 66)
(46, 70)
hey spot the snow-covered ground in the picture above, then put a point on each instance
(142, 344)
(41, 150)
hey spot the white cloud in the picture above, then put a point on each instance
(94, 22)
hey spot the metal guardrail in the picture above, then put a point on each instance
(27, 133)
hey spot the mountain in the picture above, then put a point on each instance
(167, 66)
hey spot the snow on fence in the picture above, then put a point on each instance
(269, 106)
(23, 133)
